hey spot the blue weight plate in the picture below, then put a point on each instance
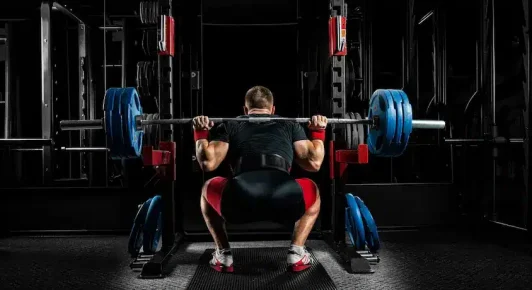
(136, 235)
(131, 108)
(372, 235)
(118, 138)
(348, 226)
(381, 106)
(398, 138)
(108, 105)
(357, 223)
(407, 121)
(153, 226)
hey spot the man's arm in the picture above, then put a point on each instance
(210, 154)
(309, 154)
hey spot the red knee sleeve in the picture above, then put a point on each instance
(310, 191)
(213, 193)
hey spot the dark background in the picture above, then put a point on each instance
(431, 184)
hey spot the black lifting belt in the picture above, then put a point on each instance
(262, 161)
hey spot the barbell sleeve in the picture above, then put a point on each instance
(428, 124)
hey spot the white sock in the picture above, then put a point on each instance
(221, 251)
(298, 249)
(222, 256)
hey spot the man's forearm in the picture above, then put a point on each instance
(203, 154)
(316, 152)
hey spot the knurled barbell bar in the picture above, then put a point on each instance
(389, 122)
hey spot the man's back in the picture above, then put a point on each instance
(252, 139)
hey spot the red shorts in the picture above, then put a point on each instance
(261, 195)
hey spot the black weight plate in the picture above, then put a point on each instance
(361, 135)
(354, 134)
(348, 133)
(155, 129)
(148, 129)
(350, 78)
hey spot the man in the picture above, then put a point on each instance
(261, 155)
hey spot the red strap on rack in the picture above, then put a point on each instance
(337, 36)
(166, 41)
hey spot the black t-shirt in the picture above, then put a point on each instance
(251, 138)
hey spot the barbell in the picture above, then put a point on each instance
(389, 122)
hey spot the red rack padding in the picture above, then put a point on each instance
(359, 156)
(166, 41)
(163, 157)
(342, 158)
(153, 157)
(337, 36)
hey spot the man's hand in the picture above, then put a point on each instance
(317, 122)
(202, 123)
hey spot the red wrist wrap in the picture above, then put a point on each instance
(317, 134)
(201, 134)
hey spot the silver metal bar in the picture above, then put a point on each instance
(85, 149)
(253, 119)
(68, 125)
(67, 12)
(25, 142)
(73, 125)
(499, 140)
(110, 27)
(428, 124)
(67, 149)
(424, 18)
(8, 78)
(47, 120)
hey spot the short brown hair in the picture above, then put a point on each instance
(259, 97)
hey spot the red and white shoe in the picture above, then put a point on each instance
(222, 261)
(298, 259)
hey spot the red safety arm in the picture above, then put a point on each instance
(342, 158)
(165, 157)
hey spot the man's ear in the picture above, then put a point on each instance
(273, 110)
(245, 110)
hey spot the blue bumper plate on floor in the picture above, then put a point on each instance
(153, 225)
(372, 235)
(136, 235)
(357, 225)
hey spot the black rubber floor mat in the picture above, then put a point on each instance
(259, 268)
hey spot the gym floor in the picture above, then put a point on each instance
(409, 260)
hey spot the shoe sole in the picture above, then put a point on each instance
(298, 268)
(223, 269)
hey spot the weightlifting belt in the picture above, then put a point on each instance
(261, 161)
